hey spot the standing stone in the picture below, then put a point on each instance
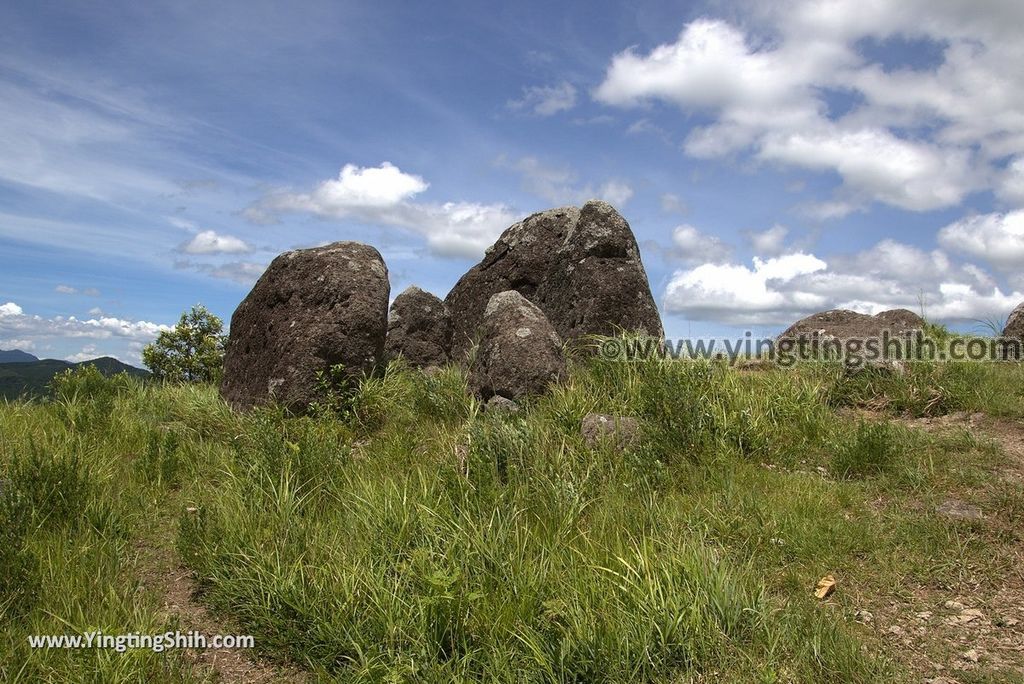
(581, 266)
(311, 310)
(519, 355)
(419, 329)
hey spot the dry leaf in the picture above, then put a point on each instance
(826, 585)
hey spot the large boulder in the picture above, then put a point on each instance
(1013, 334)
(519, 355)
(828, 330)
(581, 266)
(311, 310)
(419, 329)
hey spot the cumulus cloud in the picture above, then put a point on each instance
(10, 310)
(383, 196)
(996, 238)
(918, 138)
(211, 242)
(779, 290)
(560, 184)
(546, 100)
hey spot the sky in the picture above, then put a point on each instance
(774, 159)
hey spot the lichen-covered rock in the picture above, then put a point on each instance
(419, 329)
(519, 355)
(311, 310)
(581, 266)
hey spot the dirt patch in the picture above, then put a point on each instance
(162, 573)
(973, 628)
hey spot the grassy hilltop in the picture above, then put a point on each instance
(404, 535)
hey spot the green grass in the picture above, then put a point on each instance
(402, 534)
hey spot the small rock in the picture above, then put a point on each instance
(924, 615)
(864, 616)
(965, 617)
(500, 404)
(959, 510)
(622, 431)
(895, 629)
(954, 605)
(971, 655)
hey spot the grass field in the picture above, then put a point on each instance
(404, 535)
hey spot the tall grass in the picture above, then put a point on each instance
(401, 533)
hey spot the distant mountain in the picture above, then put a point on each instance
(16, 356)
(32, 378)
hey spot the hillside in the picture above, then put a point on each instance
(16, 356)
(407, 534)
(32, 378)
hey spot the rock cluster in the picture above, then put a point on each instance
(555, 277)
(580, 266)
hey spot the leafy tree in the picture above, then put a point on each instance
(192, 352)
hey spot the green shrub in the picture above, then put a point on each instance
(872, 449)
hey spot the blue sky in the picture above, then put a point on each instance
(773, 159)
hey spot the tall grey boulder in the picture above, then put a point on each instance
(312, 309)
(519, 355)
(419, 329)
(581, 266)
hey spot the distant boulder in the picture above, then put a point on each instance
(419, 329)
(1013, 334)
(519, 354)
(826, 330)
(581, 266)
(311, 310)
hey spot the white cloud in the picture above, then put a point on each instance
(996, 238)
(211, 242)
(382, 195)
(614, 192)
(9, 310)
(88, 353)
(65, 289)
(546, 100)
(918, 138)
(14, 322)
(355, 190)
(781, 290)
(1011, 182)
(694, 246)
(878, 165)
(769, 242)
